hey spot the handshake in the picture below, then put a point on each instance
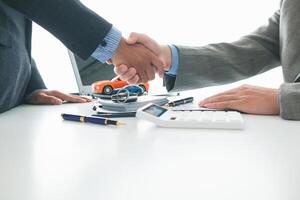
(139, 58)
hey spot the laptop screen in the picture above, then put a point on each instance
(89, 71)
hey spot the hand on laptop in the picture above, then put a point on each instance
(163, 52)
(142, 60)
(54, 97)
(247, 99)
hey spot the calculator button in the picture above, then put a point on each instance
(173, 118)
(220, 116)
(234, 116)
(206, 117)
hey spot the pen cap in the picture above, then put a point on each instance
(71, 117)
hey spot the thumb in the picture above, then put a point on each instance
(132, 39)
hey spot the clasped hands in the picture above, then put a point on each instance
(157, 58)
(139, 58)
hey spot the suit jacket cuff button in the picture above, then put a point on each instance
(103, 43)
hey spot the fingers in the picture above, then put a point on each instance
(125, 74)
(66, 97)
(232, 93)
(226, 100)
(55, 98)
(218, 98)
(43, 98)
(153, 46)
(231, 104)
(87, 99)
(133, 38)
(134, 80)
(156, 66)
(120, 70)
(150, 73)
(143, 75)
(130, 74)
(138, 57)
(146, 41)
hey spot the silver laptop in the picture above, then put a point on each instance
(89, 71)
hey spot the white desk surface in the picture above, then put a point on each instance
(43, 157)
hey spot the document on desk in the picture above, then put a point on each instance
(132, 106)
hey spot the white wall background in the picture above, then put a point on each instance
(188, 22)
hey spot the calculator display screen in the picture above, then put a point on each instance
(155, 110)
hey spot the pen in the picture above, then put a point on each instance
(94, 120)
(297, 79)
(167, 95)
(207, 110)
(115, 115)
(180, 102)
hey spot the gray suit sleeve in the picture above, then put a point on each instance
(223, 63)
(289, 97)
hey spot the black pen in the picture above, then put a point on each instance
(208, 110)
(94, 120)
(180, 102)
(115, 115)
(297, 79)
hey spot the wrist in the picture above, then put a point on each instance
(118, 51)
(108, 46)
(166, 57)
(276, 107)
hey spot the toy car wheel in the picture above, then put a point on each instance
(107, 89)
(143, 88)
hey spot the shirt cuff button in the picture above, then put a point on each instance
(103, 43)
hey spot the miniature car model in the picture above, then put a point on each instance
(107, 87)
(132, 89)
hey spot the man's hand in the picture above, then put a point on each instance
(136, 56)
(247, 99)
(54, 98)
(163, 52)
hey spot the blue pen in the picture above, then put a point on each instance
(94, 120)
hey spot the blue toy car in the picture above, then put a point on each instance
(132, 89)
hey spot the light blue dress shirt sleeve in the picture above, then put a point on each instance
(108, 46)
(175, 61)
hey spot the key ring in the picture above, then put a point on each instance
(123, 96)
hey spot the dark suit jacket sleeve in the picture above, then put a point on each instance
(169, 82)
(79, 28)
(36, 82)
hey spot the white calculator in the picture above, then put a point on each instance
(204, 119)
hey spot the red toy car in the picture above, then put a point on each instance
(106, 87)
